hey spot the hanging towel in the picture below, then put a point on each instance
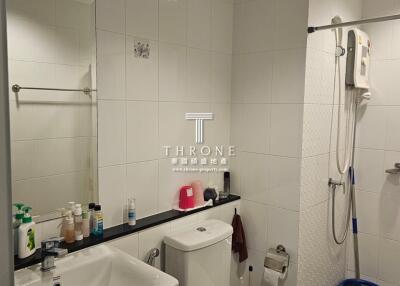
(239, 238)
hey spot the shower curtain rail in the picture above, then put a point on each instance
(17, 88)
(353, 23)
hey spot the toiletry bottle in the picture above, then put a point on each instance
(17, 221)
(71, 206)
(26, 235)
(78, 222)
(98, 221)
(85, 224)
(131, 211)
(69, 229)
(91, 217)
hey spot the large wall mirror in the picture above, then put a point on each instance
(53, 115)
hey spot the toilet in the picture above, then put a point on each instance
(200, 255)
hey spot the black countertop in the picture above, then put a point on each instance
(119, 231)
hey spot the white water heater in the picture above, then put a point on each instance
(358, 59)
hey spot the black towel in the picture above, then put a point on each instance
(239, 238)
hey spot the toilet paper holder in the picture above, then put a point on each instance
(277, 259)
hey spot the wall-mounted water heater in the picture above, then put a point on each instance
(358, 59)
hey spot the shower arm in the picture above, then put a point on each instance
(353, 23)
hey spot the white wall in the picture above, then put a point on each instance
(267, 114)
(378, 148)
(49, 45)
(142, 102)
(321, 261)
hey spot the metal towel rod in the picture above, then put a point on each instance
(16, 88)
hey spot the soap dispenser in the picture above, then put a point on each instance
(26, 235)
(17, 221)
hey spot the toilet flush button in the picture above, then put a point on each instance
(201, 229)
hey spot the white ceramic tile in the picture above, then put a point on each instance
(199, 76)
(252, 77)
(222, 26)
(290, 21)
(371, 127)
(41, 11)
(258, 17)
(288, 76)
(284, 182)
(381, 39)
(392, 141)
(68, 13)
(110, 16)
(153, 238)
(199, 23)
(172, 72)
(369, 169)
(227, 211)
(388, 260)
(368, 212)
(368, 247)
(254, 177)
(112, 132)
(142, 18)
(221, 67)
(112, 194)
(141, 73)
(128, 244)
(66, 46)
(142, 185)
(286, 129)
(110, 65)
(173, 21)
(218, 130)
(142, 131)
(283, 228)
(184, 223)
(254, 218)
(382, 81)
(251, 127)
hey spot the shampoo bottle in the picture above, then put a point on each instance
(85, 224)
(78, 222)
(26, 235)
(98, 221)
(91, 217)
(131, 212)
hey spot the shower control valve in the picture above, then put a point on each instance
(340, 51)
(333, 183)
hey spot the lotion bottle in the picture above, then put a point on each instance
(132, 212)
(78, 222)
(85, 224)
(26, 235)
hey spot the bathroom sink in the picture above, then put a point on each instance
(97, 266)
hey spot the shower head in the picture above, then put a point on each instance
(339, 31)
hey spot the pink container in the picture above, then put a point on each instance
(186, 198)
(198, 191)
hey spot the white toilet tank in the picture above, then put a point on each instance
(201, 255)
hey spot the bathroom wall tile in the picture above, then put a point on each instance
(66, 46)
(290, 21)
(218, 131)
(172, 21)
(284, 182)
(112, 194)
(256, 16)
(254, 217)
(222, 26)
(128, 244)
(371, 128)
(110, 16)
(286, 129)
(289, 67)
(68, 14)
(153, 238)
(142, 186)
(213, 213)
(392, 141)
(283, 228)
(142, 18)
(184, 224)
(252, 78)
(41, 11)
(199, 76)
(112, 132)
(369, 169)
(382, 81)
(199, 23)
(227, 211)
(368, 246)
(254, 177)
(221, 66)
(381, 37)
(251, 127)
(368, 212)
(142, 131)
(388, 260)
(172, 72)
(141, 73)
(110, 65)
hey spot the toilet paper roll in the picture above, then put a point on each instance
(271, 277)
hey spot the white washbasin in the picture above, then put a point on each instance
(97, 266)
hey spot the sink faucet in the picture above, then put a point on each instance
(50, 250)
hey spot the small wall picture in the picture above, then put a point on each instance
(142, 49)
